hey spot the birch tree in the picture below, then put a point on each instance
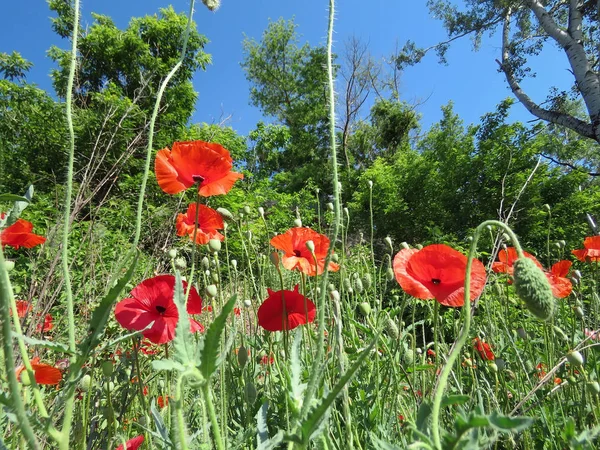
(525, 26)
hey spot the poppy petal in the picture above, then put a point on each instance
(166, 174)
(409, 284)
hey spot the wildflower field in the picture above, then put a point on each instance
(311, 285)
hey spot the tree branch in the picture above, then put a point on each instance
(569, 165)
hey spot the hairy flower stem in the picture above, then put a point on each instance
(194, 245)
(6, 294)
(212, 416)
(179, 413)
(464, 334)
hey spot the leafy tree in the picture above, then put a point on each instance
(525, 27)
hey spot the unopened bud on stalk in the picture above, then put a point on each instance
(500, 363)
(546, 207)
(419, 246)
(249, 235)
(408, 357)
(389, 273)
(575, 358)
(274, 257)
(247, 210)
(404, 245)
(506, 238)
(347, 213)
(261, 211)
(25, 380)
(242, 356)
(533, 288)
(593, 387)
(522, 333)
(488, 227)
(225, 226)
(85, 383)
(562, 243)
(234, 264)
(370, 184)
(335, 258)
(213, 5)
(391, 328)
(247, 303)
(367, 281)
(172, 253)
(358, 286)
(577, 274)
(557, 245)
(310, 245)
(214, 245)
(347, 284)
(250, 391)
(215, 277)
(335, 295)
(107, 368)
(212, 290)
(579, 312)
(329, 206)
(205, 263)
(364, 308)
(297, 222)
(225, 213)
(180, 263)
(9, 265)
(388, 241)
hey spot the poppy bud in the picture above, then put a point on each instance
(249, 235)
(335, 258)
(522, 333)
(493, 366)
(214, 245)
(250, 391)
(225, 213)
(247, 210)
(367, 281)
(392, 328)
(370, 183)
(408, 357)
(506, 238)
(234, 264)
(215, 277)
(579, 312)
(331, 287)
(25, 380)
(562, 243)
(247, 303)
(572, 380)
(225, 226)
(213, 5)
(261, 211)
(335, 295)
(9, 265)
(419, 246)
(347, 213)
(500, 363)
(242, 356)
(575, 358)
(533, 288)
(557, 244)
(364, 308)
(329, 206)
(274, 259)
(172, 253)
(593, 387)
(389, 273)
(388, 241)
(577, 274)
(528, 366)
(404, 245)
(212, 290)
(358, 286)
(347, 284)
(546, 207)
(511, 375)
(107, 368)
(85, 383)
(180, 263)
(310, 245)
(488, 227)
(560, 333)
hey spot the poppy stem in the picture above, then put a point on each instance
(464, 334)
(212, 416)
(194, 245)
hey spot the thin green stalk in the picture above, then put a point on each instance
(179, 412)
(6, 294)
(212, 416)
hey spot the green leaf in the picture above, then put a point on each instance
(262, 432)
(167, 365)
(19, 205)
(510, 424)
(456, 399)
(183, 345)
(297, 386)
(476, 421)
(159, 423)
(212, 339)
(422, 415)
(13, 198)
(316, 416)
(382, 445)
(55, 346)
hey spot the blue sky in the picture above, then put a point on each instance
(470, 80)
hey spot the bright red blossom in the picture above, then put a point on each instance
(23, 307)
(47, 325)
(132, 444)
(438, 271)
(152, 301)
(507, 258)
(44, 373)
(205, 163)
(298, 256)
(285, 310)
(484, 349)
(591, 250)
(209, 221)
(561, 286)
(19, 234)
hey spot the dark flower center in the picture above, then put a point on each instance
(297, 253)
(198, 178)
(436, 280)
(160, 309)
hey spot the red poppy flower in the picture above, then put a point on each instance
(44, 373)
(152, 301)
(297, 256)
(47, 325)
(162, 401)
(19, 235)
(506, 259)
(194, 162)
(267, 360)
(438, 271)
(23, 307)
(132, 444)
(561, 286)
(285, 310)
(209, 221)
(484, 349)
(591, 252)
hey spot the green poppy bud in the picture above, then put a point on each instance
(391, 328)
(533, 288)
(528, 366)
(9, 265)
(242, 356)
(370, 183)
(347, 284)
(274, 256)
(225, 213)
(335, 295)
(329, 206)
(172, 253)
(249, 235)
(560, 333)
(85, 383)
(214, 245)
(408, 357)
(364, 308)
(367, 281)
(215, 277)
(261, 211)
(247, 303)
(310, 245)
(247, 210)
(572, 380)
(493, 366)
(298, 222)
(212, 290)
(107, 368)
(593, 387)
(250, 391)
(335, 258)
(389, 274)
(358, 285)
(347, 213)
(213, 5)
(234, 264)
(388, 241)
(180, 263)
(575, 358)
(25, 381)
(579, 312)
(522, 333)
(500, 363)
(546, 207)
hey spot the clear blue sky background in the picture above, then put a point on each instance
(470, 80)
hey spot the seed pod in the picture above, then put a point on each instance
(575, 358)
(364, 308)
(214, 245)
(367, 281)
(212, 290)
(225, 213)
(242, 356)
(310, 245)
(107, 368)
(172, 253)
(392, 328)
(85, 383)
(297, 222)
(533, 288)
